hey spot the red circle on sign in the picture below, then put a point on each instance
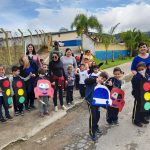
(146, 86)
(19, 84)
(6, 83)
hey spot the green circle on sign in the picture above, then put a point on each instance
(21, 99)
(9, 100)
(147, 106)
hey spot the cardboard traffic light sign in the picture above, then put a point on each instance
(5, 86)
(19, 91)
(145, 96)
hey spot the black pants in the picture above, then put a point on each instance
(30, 99)
(69, 96)
(112, 114)
(17, 107)
(137, 116)
(94, 119)
(77, 78)
(59, 89)
(82, 90)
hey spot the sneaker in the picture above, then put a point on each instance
(145, 122)
(3, 120)
(63, 107)
(72, 103)
(138, 124)
(56, 108)
(41, 115)
(27, 108)
(116, 122)
(46, 113)
(94, 138)
(22, 113)
(68, 104)
(16, 113)
(98, 131)
(9, 117)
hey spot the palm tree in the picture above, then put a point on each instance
(106, 40)
(131, 39)
(112, 30)
(82, 24)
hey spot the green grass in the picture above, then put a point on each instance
(115, 63)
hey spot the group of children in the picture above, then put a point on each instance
(19, 108)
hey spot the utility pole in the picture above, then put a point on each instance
(23, 43)
(44, 37)
(7, 46)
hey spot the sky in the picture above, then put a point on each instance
(51, 15)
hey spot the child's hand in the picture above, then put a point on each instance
(53, 83)
(66, 82)
(33, 75)
(109, 83)
(1, 90)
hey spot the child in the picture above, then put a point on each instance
(137, 116)
(45, 68)
(70, 76)
(43, 101)
(83, 74)
(2, 102)
(18, 109)
(96, 71)
(112, 113)
(94, 110)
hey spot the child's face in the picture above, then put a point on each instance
(2, 71)
(16, 73)
(82, 67)
(101, 80)
(86, 60)
(96, 70)
(117, 74)
(45, 67)
(70, 70)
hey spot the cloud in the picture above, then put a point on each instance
(134, 15)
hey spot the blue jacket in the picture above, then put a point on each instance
(90, 85)
(136, 84)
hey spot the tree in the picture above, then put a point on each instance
(106, 40)
(83, 24)
(131, 39)
(112, 30)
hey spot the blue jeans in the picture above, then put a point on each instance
(2, 103)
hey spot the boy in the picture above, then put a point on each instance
(70, 84)
(43, 101)
(83, 74)
(137, 116)
(2, 102)
(94, 110)
(96, 71)
(112, 113)
(18, 109)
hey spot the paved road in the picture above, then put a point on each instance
(71, 132)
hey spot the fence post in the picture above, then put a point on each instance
(30, 36)
(7, 46)
(23, 47)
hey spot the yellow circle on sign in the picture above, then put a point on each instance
(147, 96)
(20, 92)
(8, 92)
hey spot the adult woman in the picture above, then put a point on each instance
(26, 68)
(68, 59)
(88, 55)
(57, 76)
(31, 53)
(143, 56)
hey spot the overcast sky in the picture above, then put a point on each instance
(51, 15)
